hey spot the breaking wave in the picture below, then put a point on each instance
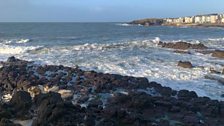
(99, 47)
(13, 50)
(124, 24)
(13, 41)
(23, 41)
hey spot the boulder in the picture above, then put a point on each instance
(218, 53)
(52, 110)
(12, 59)
(49, 98)
(185, 64)
(186, 94)
(21, 102)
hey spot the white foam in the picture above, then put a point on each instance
(12, 41)
(216, 39)
(156, 40)
(103, 47)
(124, 24)
(9, 49)
(23, 41)
(140, 58)
(24, 122)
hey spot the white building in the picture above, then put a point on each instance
(222, 20)
(169, 20)
(214, 18)
(198, 19)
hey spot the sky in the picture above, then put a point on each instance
(102, 10)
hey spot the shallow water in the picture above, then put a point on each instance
(118, 48)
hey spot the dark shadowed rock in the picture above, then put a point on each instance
(7, 122)
(111, 99)
(185, 64)
(52, 110)
(5, 111)
(49, 98)
(218, 53)
(95, 103)
(11, 59)
(186, 94)
(21, 102)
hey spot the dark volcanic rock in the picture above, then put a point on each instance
(185, 64)
(182, 45)
(187, 94)
(7, 122)
(52, 110)
(218, 53)
(148, 22)
(21, 103)
(6, 112)
(108, 99)
(12, 59)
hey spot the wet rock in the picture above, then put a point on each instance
(12, 59)
(83, 99)
(182, 45)
(182, 52)
(191, 120)
(185, 94)
(7, 122)
(95, 103)
(166, 91)
(218, 53)
(53, 111)
(49, 98)
(107, 122)
(185, 64)
(175, 109)
(215, 77)
(6, 112)
(21, 102)
(163, 103)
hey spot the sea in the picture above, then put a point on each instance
(119, 48)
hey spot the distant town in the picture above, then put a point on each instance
(198, 20)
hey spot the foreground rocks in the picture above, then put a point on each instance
(97, 99)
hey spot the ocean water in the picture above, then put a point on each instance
(118, 48)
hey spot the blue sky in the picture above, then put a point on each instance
(102, 10)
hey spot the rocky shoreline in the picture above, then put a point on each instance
(41, 95)
(161, 22)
